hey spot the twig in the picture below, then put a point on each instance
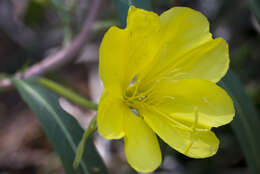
(63, 56)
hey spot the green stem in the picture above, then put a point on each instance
(67, 35)
(67, 93)
(80, 150)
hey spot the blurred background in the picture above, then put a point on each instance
(32, 29)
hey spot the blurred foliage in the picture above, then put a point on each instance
(255, 6)
(65, 10)
(35, 12)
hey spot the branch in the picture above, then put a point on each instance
(62, 57)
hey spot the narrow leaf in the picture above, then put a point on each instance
(246, 124)
(62, 129)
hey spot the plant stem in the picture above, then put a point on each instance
(67, 93)
(80, 150)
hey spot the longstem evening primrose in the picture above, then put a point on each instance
(159, 76)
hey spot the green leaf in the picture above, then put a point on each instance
(123, 5)
(246, 124)
(3, 75)
(255, 8)
(62, 129)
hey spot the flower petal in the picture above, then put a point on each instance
(110, 118)
(112, 60)
(141, 145)
(210, 61)
(193, 143)
(188, 50)
(182, 98)
(124, 52)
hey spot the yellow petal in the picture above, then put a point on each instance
(197, 143)
(110, 117)
(124, 52)
(210, 61)
(188, 50)
(182, 98)
(112, 60)
(141, 145)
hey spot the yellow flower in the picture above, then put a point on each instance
(159, 75)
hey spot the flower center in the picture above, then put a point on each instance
(133, 98)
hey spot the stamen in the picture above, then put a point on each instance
(141, 97)
(196, 119)
(194, 129)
